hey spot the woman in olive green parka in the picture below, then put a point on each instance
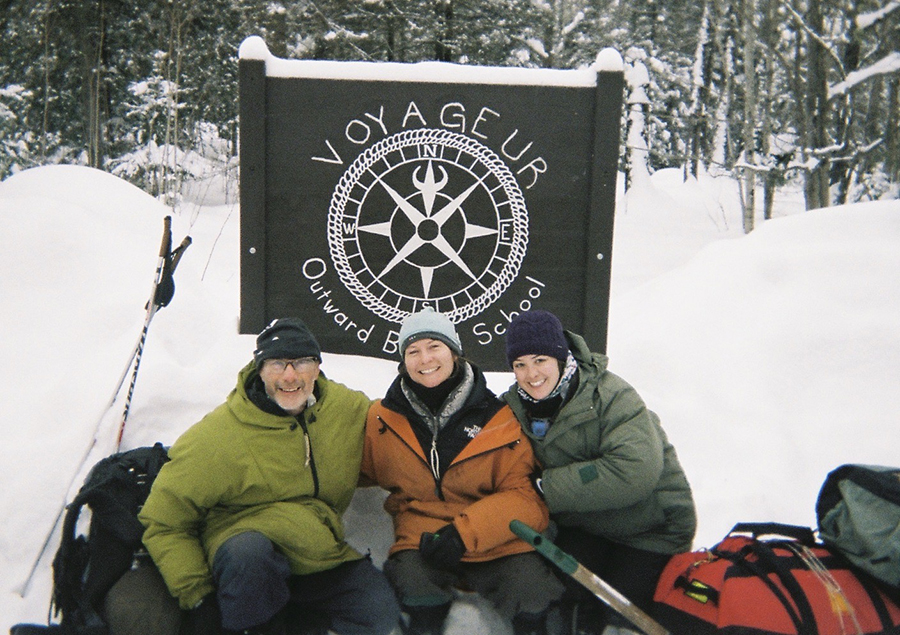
(611, 479)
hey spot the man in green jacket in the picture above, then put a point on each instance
(244, 521)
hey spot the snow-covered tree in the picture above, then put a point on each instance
(822, 100)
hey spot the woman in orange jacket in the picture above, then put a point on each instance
(458, 470)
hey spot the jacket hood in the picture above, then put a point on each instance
(598, 362)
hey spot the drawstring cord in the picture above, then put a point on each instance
(435, 459)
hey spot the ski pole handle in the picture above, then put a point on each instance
(178, 252)
(166, 246)
(544, 547)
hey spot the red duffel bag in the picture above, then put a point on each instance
(771, 579)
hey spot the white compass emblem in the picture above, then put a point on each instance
(427, 218)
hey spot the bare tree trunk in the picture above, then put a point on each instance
(393, 24)
(891, 42)
(843, 171)
(723, 152)
(892, 162)
(750, 114)
(443, 44)
(698, 116)
(771, 177)
(92, 32)
(45, 115)
(817, 185)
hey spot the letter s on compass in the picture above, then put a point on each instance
(427, 217)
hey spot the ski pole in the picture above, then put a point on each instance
(176, 258)
(168, 262)
(589, 580)
(164, 249)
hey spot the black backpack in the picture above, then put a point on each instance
(85, 568)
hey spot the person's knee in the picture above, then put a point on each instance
(385, 609)
(523, 583)
(249, 555)
(140, 604)
(377, 611)
(251, 578)
(416, 584)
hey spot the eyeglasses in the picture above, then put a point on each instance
(299, 365)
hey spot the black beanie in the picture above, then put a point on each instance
(286, 338)
(536, 332)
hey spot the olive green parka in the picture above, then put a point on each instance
(608, 467)
(242, 469)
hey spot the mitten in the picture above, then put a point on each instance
(442, 549)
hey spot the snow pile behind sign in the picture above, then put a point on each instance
(771, 358)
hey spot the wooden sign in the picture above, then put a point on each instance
(371, 190)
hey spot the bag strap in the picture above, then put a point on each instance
(877, 601)
(739, 558)
(767, 556)
(803, 535)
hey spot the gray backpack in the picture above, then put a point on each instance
(858, 513)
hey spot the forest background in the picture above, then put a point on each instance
(765, 90)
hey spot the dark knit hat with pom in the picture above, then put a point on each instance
(536, 332)
(286, 338)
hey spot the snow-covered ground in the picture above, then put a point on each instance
(771, 358)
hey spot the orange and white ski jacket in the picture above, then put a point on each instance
(485, 486)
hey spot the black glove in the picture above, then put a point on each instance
(203, 619)
(442, 549)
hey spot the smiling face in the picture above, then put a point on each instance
(536, 374)
(289, 383)
(429, 362)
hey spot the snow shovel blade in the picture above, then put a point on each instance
(589, 580)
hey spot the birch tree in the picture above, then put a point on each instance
(748, 135)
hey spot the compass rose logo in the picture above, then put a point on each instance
(427, 217)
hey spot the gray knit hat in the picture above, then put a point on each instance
(286, 338)
(428, 323)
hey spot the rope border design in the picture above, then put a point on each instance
(452, 140)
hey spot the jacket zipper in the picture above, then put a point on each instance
(310, 458)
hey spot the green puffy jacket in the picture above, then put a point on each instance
(609, 468)
(241, 469)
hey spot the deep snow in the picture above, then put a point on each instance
(771, 358)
